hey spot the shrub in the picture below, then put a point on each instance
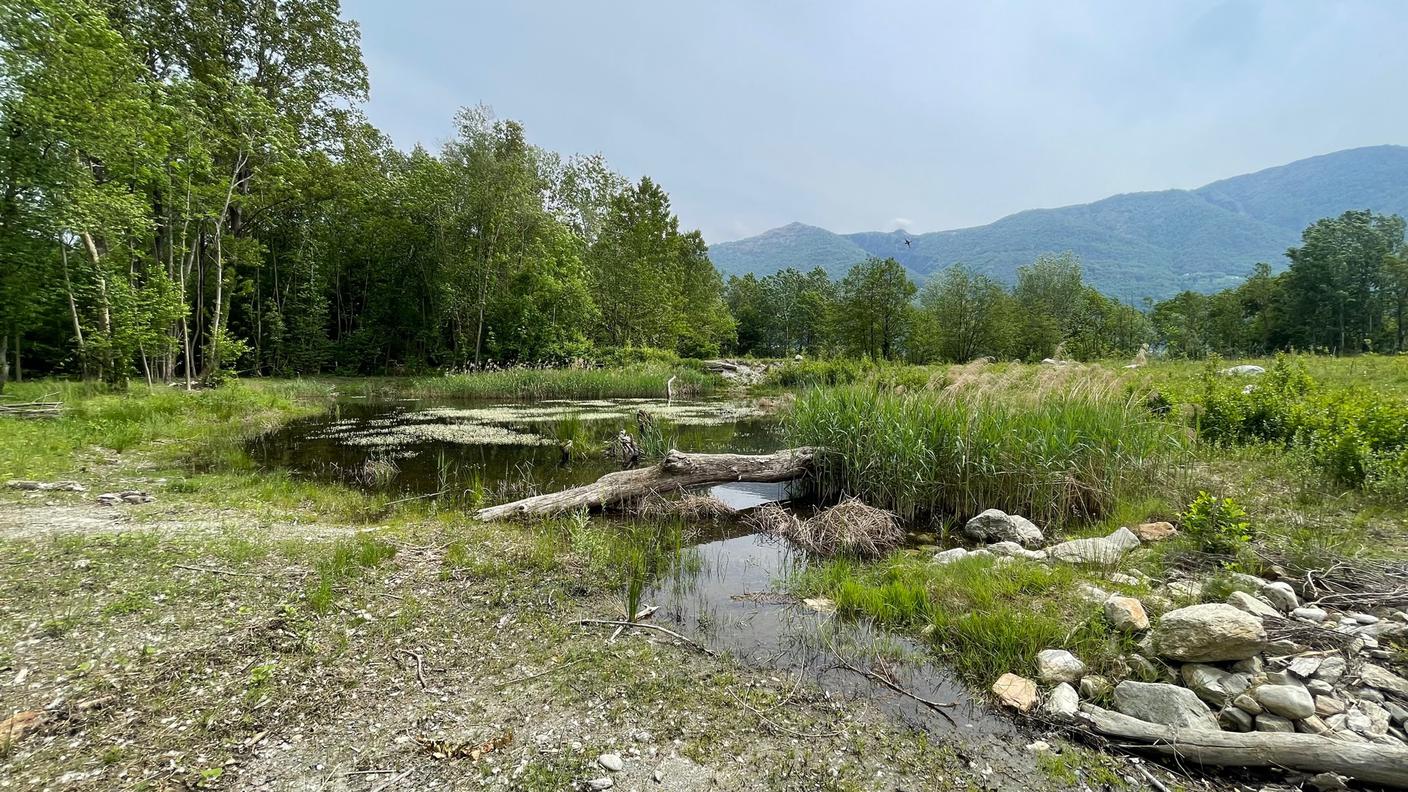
(1218, 525)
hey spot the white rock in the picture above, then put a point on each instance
(1105, 550)
(949, 556)
(1062, 703)
(1212, 684)
(1014, 550)
(600, 783)
(1314, 615)
(1281, 595)
(1331, 669)
(1058, 665)
(1383, 679)
(611, 762)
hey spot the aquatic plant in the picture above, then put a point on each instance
(531, 384)
(1058, 456)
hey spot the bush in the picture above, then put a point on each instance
(1354, 437)
(1218, 525)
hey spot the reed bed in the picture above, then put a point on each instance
(644, 380)
(850, 528)
(1057, 454)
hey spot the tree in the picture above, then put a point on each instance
(875, 307)
(964, 315)
(1338, 279)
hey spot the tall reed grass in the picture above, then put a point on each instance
(644, 380)
(1055, 455)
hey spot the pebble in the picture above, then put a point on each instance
(1315, 615)
(611, 762)
(600, 783)
(1365, 618)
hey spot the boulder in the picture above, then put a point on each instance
(1062, 703)
(1383, 679)
(1367, 718)
(1126, 614)
(1244, 370)
(1014, 550)
(1154, 531)
(1212, 684)
(1313, 615)
(949, 556)
(995, 525)
(1325, 706)
(1289, 701)
(1058, 665)
(1167, 704)
(1243, 601)
(1281, 595)
(1247, 704)
(1208, 633)
(1331, 669)
(1105, 550)
(1016, 692)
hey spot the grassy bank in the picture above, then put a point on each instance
(639, 380)
(1058, 456)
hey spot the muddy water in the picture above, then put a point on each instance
(732, 599)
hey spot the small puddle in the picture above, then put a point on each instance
(729, 596)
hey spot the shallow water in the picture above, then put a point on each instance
(732, 601)
(501, 450)
(728, 597)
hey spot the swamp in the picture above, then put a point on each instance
(284, 584)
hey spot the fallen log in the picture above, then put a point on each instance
(677, 471)
(1310, 753)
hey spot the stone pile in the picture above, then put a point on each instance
(1212, 665)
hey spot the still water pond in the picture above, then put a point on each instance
(729, 597)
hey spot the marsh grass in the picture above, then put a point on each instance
(640, 380)
(1057, 452)
(345, 560)
(984, 620)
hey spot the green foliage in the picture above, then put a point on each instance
(1056, 457)
(1218, 525)
(1355, 437)
(873, 302)
(984, 620)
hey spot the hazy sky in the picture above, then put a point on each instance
(872, 115)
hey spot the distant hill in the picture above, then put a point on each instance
(1135, 245)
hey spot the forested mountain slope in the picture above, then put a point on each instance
(1149, 244)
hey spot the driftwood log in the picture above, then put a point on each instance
(677, 471)
(1310, 753)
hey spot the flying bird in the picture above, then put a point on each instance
(906, 243)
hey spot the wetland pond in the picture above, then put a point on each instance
(727, 594)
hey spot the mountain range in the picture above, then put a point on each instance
(1133, 245)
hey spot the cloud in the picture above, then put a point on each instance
(901, 224)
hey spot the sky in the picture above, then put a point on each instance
(859, 116)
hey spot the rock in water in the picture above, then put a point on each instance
(1058, 665)
(995, 525)
(1288, 701)
(1016, 692)
(1126, 614)
(1208, 634)
(1171, 705)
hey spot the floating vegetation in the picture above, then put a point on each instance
(460, 434)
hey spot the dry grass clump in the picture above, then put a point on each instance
(689, 506)
(850, 528)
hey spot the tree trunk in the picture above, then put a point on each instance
(4, 361)
(1311, 753)
(677, 471)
